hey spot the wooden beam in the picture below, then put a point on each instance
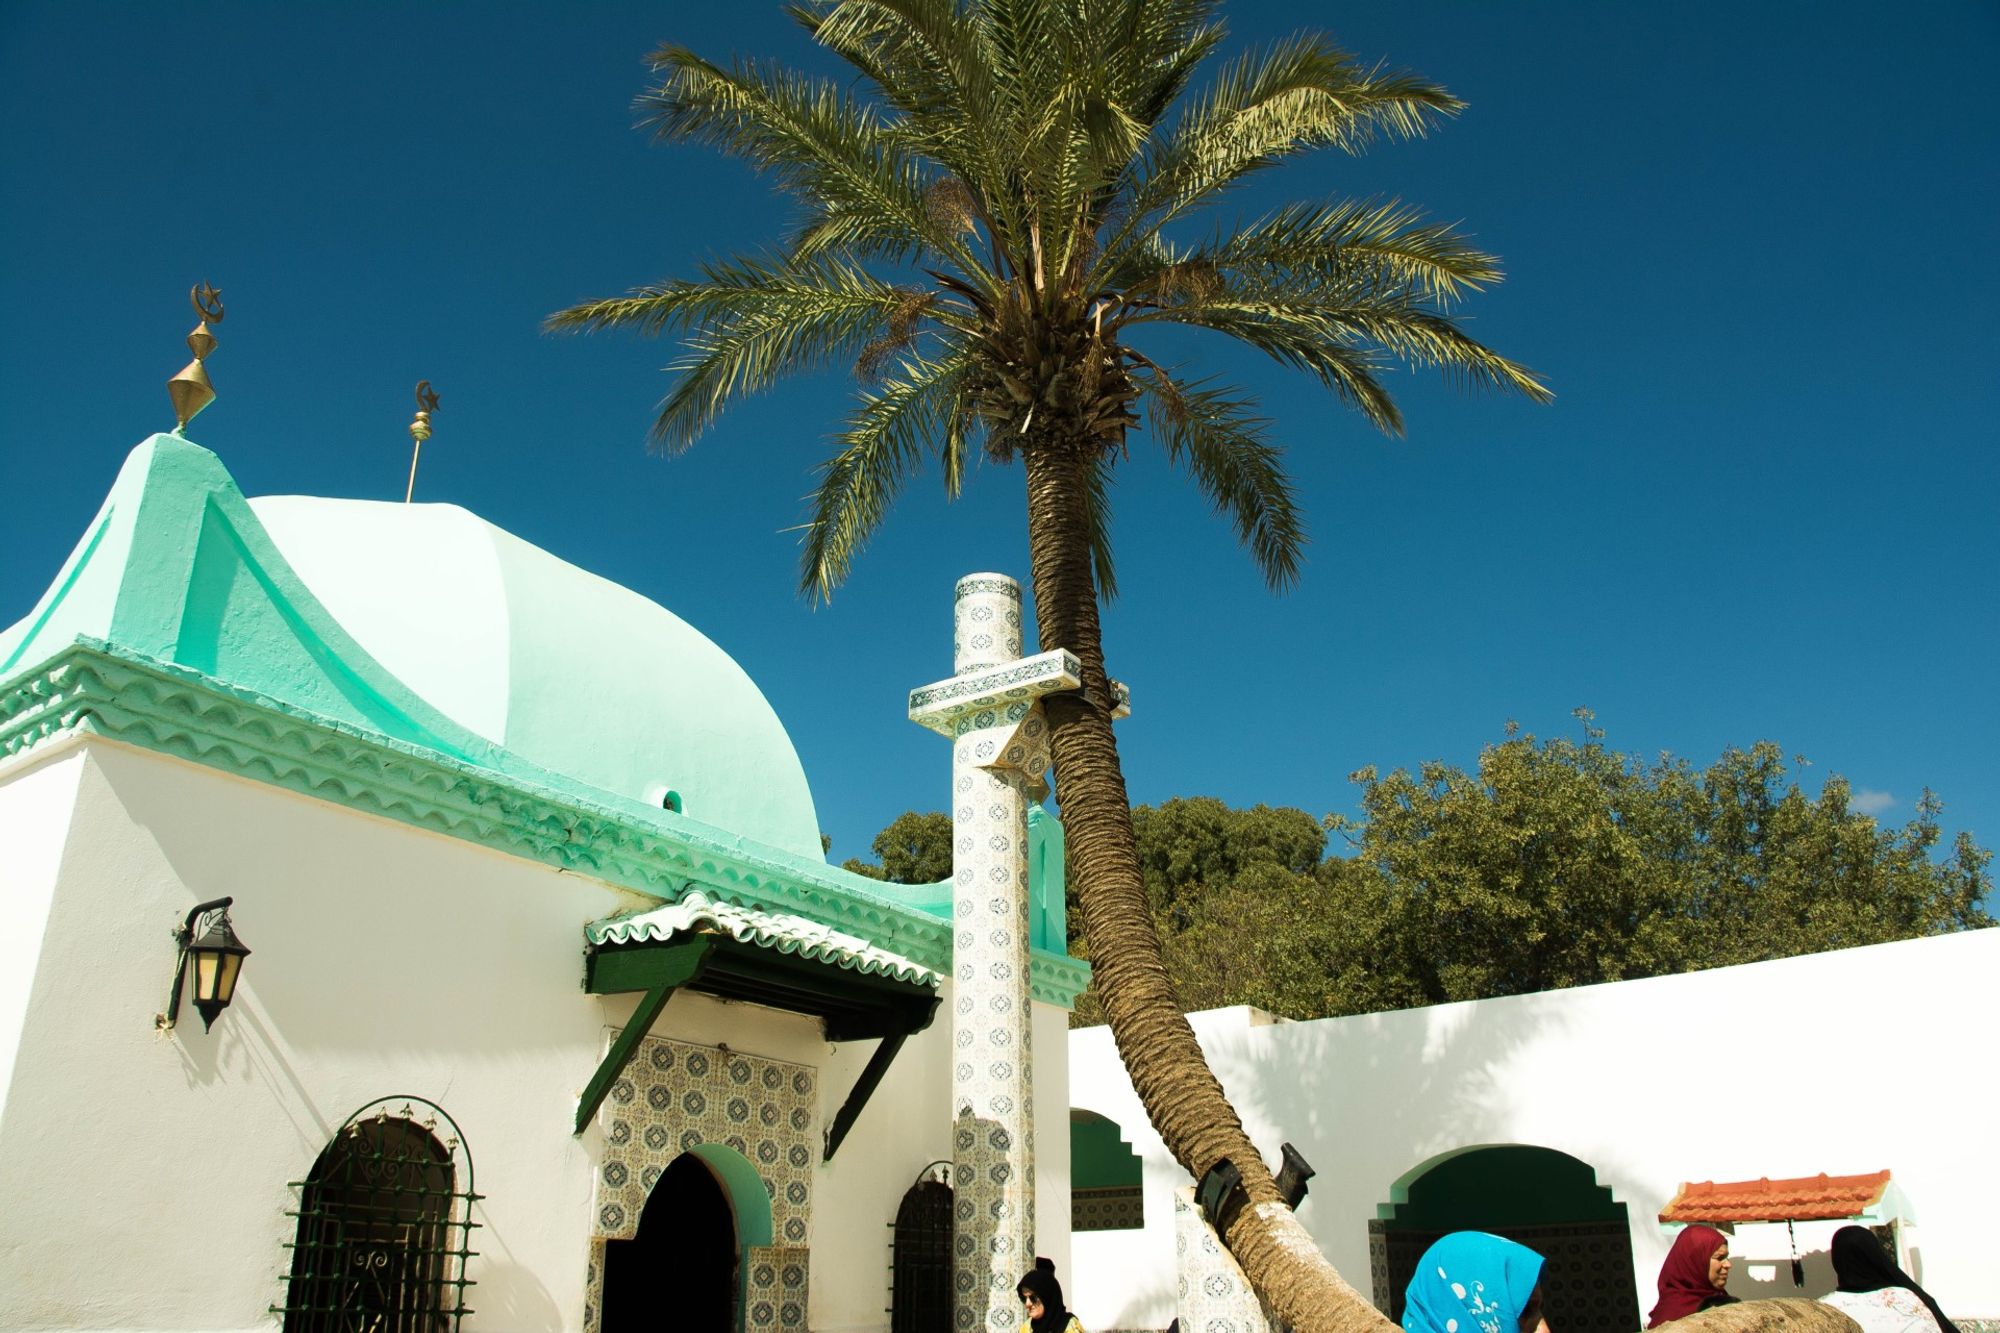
(864, 1088)
(669, 966)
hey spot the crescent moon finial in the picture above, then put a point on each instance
(207, 301)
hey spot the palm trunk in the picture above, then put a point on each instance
(1182, 1097)
(1792, 1316)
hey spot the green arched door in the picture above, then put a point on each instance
(1547, 1200)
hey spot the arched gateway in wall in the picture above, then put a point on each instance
(1547, 1200)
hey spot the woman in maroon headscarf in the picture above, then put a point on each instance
(1694, 1275)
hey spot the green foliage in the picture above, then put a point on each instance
(1001, 203)
(1561, 863)
(914, 849)
(1552, 863)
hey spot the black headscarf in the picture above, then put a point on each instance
(1861, 1264)
(1040, 1282)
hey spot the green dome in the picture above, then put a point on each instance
(565, 669)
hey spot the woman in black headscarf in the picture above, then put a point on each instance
(1042, 1301)
(1877, 1294)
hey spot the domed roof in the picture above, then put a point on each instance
(569, 671)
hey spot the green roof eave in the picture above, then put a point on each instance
(112, 691)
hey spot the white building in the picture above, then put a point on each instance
(534, 886)
(476, 808)
(1571, 1119)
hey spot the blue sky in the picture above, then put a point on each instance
(1749, 246)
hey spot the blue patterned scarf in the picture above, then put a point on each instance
(1470, 1282)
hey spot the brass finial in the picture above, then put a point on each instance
(420, 430)
(190, 389)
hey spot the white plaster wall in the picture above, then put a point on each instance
(385, 961)
(1052, 1234)
(905, 1127)
(36, 792)
(145, 1180)
(1841, 1062)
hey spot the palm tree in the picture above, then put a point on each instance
(990, 228)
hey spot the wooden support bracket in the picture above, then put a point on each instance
(671, 967)
(864, 1088)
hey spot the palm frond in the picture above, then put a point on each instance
(916, 51)
(1332, 322)
(1216, 435)
(918, 409)
(1303, 93)
(1381, 244)
(748, 323)
(926, 60)
(824, 146)
(1304, 340)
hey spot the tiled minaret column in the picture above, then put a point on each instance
(999, 754)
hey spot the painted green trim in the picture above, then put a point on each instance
(1057, 978)
(680, 963)
(745, 1189)
(1048, 889)
(1494, 1186)
(749, 1206)
(176, 625)
(618, 971)
(176, 568)
(170, 710)
(1099, 1156)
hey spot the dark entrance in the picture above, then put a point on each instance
(679, 1270)
(921, 1302)
(1546, 1200)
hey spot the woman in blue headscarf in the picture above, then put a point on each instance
(1470, 1282)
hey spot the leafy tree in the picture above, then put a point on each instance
(1220, 883)
(1555, 863)
(1560, 863)
(914, 849)
(989, 223)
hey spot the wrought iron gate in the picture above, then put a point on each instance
(384, 1232)
(921, 1291)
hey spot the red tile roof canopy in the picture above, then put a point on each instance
(1804, 1199)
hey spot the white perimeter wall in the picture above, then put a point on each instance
(1842, 1062)
(143, 1177)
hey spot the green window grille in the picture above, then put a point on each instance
(384, 1231)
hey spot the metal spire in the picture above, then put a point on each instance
(420, 430)
(190, 389)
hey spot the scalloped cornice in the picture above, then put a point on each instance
(168, 709)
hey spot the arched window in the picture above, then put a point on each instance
(384, 1229)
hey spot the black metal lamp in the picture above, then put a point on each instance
(218, 961)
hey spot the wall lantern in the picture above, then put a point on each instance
(218, 959)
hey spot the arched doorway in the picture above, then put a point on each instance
(920, 1300)
(1547, 1200)
(679, 1270)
